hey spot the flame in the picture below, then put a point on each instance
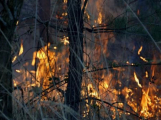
(17, 22)
(137, 80)
(89, 91)
(64, 14)
(55, 48)
(14, 83)
(65, 40)
(18, 71)
(144, 59)
(44, 71)
(99, 20)
(21, 48)
(48, 63)
(14, 59)
(92, 92)
(145, 102)
(65, 1)
(140, 49)
(146, 74)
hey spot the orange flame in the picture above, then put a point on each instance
(18, 71)
(17, 22)
(65, 40)
(44, 70)
(65, 1)
(144, 59)
(146, 74)
(144, 104)
(21, 48)
(99, 20)
(14, 59)
(137, 80)
(140, 49)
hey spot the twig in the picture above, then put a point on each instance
(7, 9)
(84, 6)
(4, 23)
(117, 66)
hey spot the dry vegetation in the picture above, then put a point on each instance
(121, 67)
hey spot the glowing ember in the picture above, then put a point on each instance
(137, 80)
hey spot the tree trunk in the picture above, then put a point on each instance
(75, 33)
(9, 14)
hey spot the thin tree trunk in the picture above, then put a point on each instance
(75, 27)
(9, 15)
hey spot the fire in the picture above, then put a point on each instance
(45, 68)
(142, 58)
(18, 71)
(64, 14)
(49, 67)
(99, 20)
(65, 1)
(145, 102)
(137, 80)
(17, 22)
(14, 83)
(21, 48)
(128, 93)
(55, 48)
(90, 91)
(14, 59)
(20, 52)
(140, 49)
(65, 40)
(146, 74)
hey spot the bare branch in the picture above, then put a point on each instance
(85, 4)
(125, 65)
(4, 23)
(7, 9)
